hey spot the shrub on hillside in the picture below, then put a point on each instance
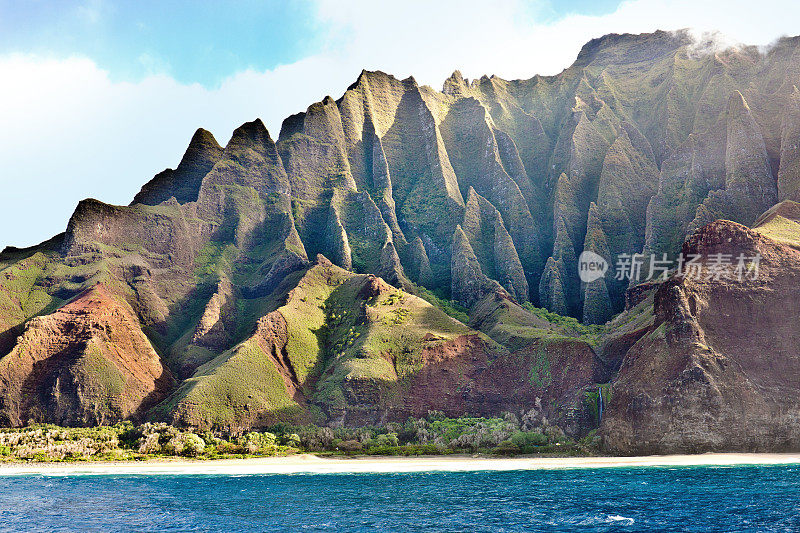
(527, 441)
(256, 442)
(187, 444)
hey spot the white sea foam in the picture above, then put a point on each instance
(621, 519)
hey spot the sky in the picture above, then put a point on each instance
(97, 96)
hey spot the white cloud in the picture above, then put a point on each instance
(69, 132)
(431, 39)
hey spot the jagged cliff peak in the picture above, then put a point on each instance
(201, 140)
(249, 133)
(183, 183)
(455, 85)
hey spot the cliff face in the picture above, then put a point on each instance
(478, 199)
(719, 367)
(87, 363)
(662, 137)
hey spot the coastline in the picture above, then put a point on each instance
(312, 464)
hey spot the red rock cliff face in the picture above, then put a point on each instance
(720, 368)
(87, 363)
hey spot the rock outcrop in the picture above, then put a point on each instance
(86, 364)
(184, 182)
(718, 369)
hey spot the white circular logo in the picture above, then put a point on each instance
(591, 266)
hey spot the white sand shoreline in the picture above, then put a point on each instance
(311, 464)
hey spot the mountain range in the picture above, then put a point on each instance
(402, 249)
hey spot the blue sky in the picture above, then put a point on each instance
(98, 96)
(198, 41)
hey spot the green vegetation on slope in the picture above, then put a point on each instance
(782, 230)
(437, 298)
(587, 332)
(231, 389)
(433, 435)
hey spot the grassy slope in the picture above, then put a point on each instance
(378, 340)
(338, 333)
(782, 230)
(226, 391)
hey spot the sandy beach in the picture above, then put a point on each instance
(307, 463)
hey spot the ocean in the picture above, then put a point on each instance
(703, 499)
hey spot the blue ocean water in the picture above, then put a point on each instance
(707, 499)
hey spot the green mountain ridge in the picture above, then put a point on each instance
(245, 266)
